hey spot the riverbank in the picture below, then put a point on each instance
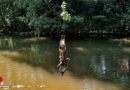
(91, 34)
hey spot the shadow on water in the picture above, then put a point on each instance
(89, 58)
(37, 52)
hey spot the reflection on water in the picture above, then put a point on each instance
(99, 67)
(24, 77)
(30, 64)
(124, 64)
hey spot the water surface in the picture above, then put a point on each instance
(30, 64)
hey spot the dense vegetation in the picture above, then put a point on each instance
(43, 17)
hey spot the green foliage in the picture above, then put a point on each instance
(65, 15)
(5, 11)
(57, 16)
(76, 24)
(41, 15)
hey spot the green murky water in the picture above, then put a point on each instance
(94, 65)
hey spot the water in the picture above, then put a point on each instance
(30, 64)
